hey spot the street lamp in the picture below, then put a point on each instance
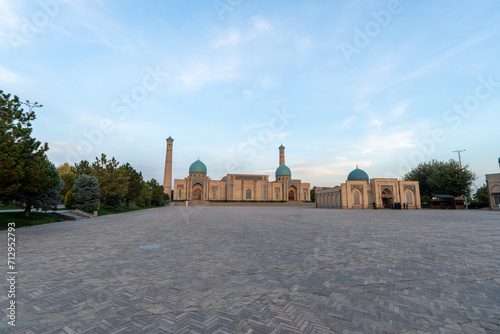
(32, 105)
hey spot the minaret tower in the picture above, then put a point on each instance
(167, 178)
(282, 155)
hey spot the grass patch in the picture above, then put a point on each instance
(10, 207)
(35, 218)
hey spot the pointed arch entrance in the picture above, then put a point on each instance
(292, 193)
(197, 192)
(387, 198)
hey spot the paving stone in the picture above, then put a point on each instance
(260, 270)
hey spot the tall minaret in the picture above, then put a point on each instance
(167, 178)
(282, 155)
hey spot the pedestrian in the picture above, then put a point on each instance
(404, 206)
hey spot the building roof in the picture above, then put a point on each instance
(197, 167)
(283, 170)
(358, 175)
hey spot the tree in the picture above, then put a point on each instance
(481, 198)
(441, 178)
(68, 176)
(157, 196)
(86, 193)
(313, 194)
(134, 183)
(26, 174)
(82, 168)
(146, 194)
(113, 181)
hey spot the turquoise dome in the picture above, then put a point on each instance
(197, 167)
(358, 175)
(283, 170)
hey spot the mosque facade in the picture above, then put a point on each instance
(361, 192)
(493, 184)
(235, 187)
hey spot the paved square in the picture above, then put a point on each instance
(259, 270)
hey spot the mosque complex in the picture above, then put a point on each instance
(358, 192)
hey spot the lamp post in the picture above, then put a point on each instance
(459, 159)
(32, 105)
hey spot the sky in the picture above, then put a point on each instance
(384, 85)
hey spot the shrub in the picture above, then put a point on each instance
(69, 202)
(86, 193)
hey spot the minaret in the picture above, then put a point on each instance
(282, 155)
(167, 178)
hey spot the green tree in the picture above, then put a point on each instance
(68, 176)
(26, 174)
(313, 194)
(69, 202)
(86, 193)
(113, 180)
(441, 178)
(146, 195)
(481, 198)
(157, 196)
(82, 168)
(134, 183)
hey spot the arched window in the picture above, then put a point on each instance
(277, 194)
(180, 193)
(249, 194)
(356, 198)
(214, 194)
(305, 195)
(409, 197)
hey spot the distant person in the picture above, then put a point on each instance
(404, 206)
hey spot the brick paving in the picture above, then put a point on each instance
(259, 270)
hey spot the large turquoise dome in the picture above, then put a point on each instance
(358, 175)
(283, 170)
(197, 167)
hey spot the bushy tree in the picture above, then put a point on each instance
(134, 183)
(25, 171)
(441, 178)
(481, 198)
(68, 176)
(113, 181)
(86, 192)
(69, 202)
(146, 194)
(157, 193)
(82, 168)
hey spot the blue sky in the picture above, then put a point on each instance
(382, 84)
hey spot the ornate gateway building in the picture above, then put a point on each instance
(360, 192)
(236, 187)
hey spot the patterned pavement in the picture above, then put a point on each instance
(259, 270)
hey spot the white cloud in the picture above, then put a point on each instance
(8, 77)
(230, 37)
(399, 109)
(261, 24)
(248, 94)
(198, 75)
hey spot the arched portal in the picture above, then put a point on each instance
(197, 192)
(291, 193)
(387, 198)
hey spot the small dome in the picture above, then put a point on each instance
(169, 137)
(358, 175)
(197, 167)
(283, 170)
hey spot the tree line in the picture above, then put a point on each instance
(27, 176)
